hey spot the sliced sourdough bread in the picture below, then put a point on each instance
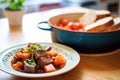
(88, 18)
(115, 26)
(102, 13)
(100, 25)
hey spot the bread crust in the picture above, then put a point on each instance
(100, 16)
(115, 26)
(99, 27)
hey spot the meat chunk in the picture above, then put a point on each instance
(40, 53)
(29, 68)
(42, 61)
(15, 59)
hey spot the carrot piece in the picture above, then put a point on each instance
(18, 66)
(20, 55)
(63, 21)
(26, 56)
(52, 53)
(23, 55)
(15, 67)
(25, 50)
(49, 68)
(59, 60)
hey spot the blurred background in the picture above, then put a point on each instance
(42, 5)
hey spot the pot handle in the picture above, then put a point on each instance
(48, 28)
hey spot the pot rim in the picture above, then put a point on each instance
(52, 25)
(81, 31)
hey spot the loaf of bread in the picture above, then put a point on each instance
(100, 21)
(100, 25)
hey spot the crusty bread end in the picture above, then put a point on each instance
(88, 18)
(100, 25)
(102, 13)
(115, 26)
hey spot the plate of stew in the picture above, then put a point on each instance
(38, 59)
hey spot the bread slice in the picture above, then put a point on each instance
(115, 26)
(99, 25)
(88, 18)
(102, 13)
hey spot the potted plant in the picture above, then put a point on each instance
(14, 11)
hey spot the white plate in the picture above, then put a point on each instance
(70, 54)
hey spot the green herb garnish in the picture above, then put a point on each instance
(29, 50)
(37, 47)
(30, 61)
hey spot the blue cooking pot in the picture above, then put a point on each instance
(82, 41)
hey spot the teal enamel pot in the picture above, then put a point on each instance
(82, 41)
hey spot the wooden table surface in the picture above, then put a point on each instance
(91, 67)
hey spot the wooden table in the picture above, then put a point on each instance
(91, 67)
